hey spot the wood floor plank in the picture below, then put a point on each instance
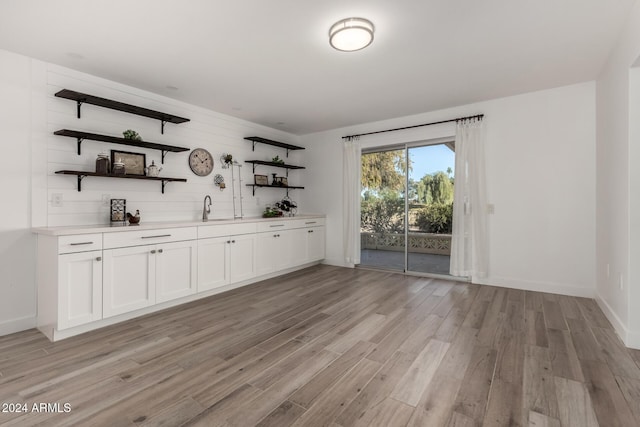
(471, 400)
(410, 388)
(504, 407)
(284, 415)
(575, 409)
(378, 389)
(608, 402)
(389, 413)
(307, 394)
(615, 353)
(553, 315)
(354, 347)
(332, 401)
(564, 359)
(437, 402)
(584, 342)
(539, 393)
(631, 391)
(539, 420)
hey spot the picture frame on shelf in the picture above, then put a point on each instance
(280, 181)
(118, 210)
(134, 163)
(260, 180)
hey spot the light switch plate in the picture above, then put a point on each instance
(56, 200)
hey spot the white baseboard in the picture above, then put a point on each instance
(336, 262)
(630, 338)
(548, 287)
(17, 325)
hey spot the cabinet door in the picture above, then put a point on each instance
(298, 246)
(266, 252)
(213, 265)
(79, 288)
(274, 251)
(242, 257)
(315, 243)
(176, 270)
(129, 279)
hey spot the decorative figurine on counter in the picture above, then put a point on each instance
(134, 219)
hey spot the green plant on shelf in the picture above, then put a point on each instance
(132, 134)
(277, 159)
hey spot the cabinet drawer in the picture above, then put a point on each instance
(148, 237)
(219, 230)
(274, 225)
(308, 222)
(79, 243)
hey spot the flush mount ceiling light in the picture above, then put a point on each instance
(351, 34)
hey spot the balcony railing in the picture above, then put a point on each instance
(424, 243)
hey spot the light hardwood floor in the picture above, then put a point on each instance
(328, 346)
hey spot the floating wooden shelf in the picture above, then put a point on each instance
(274, 164)
(82, 174)
(285, 187)
(81, 136)
(288, 147)
(83, 98)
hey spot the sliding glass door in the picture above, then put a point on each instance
(407, 208)
(382, 209)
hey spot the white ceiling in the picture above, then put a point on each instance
(269, 61)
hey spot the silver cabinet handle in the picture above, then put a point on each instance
(155, 237)
(310, 231)
(159, 251)
(153, 251)
(81, 243)
(99, 258)
(310, 222)
(276, 225)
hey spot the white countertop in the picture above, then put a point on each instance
(108, 228)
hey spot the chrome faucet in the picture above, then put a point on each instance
(206, 210)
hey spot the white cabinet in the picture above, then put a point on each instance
(129, 279)
(141, 276)
(85, 281)
(315, 243)
(213, 266)
(242, 257)
(273, 251)
(176, 270)
(225, 260)
(79, 288)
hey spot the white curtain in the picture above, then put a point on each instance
(351, 201)
(469, 245)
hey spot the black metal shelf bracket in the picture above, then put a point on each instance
(164, 182)
(254, 146)
(80, 178)
(79, 143)
(254, 190)
(79, 107)
(162, 126)
(164, 153)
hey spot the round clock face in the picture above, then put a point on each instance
(201, 162)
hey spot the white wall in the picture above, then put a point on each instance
(618, 186)
(17, 244)
(31, 155)
(541, 179)
(215, 132)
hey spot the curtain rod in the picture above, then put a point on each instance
(477, 116)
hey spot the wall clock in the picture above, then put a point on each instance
(201, 162)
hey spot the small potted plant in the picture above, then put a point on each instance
(132, 134)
